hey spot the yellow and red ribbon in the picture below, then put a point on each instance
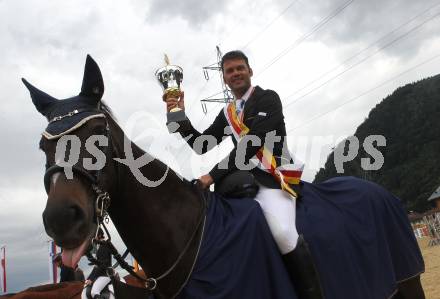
(285, 174)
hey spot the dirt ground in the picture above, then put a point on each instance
(431, 277)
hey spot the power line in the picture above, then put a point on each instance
(300, 40)
(197, 96)
(263, 30)
(364, 93)
(358, 53)
(227, 95)
(215, 67)
(269, 24)
(226, 92)
(317, 27)
(297, 42)
(364, 59)
(216, 64)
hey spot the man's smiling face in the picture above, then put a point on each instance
(237, 75)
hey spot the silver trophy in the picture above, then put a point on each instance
(170, 79)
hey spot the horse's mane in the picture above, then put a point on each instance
(108, 111)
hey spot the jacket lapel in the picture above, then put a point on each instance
(251, 102)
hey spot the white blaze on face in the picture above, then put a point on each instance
(55, 177)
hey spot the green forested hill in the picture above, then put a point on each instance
(409, 119)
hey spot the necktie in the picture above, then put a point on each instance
(239, 105)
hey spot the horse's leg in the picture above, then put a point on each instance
(410, 289)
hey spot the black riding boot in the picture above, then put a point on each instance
(303, 272)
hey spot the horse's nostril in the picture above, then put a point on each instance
(77, 214)
(62, 221)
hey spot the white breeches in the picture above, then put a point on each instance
(98, 286)
(280, 212)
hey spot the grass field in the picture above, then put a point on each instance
(431, 277)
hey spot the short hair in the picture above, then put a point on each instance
(236, 54)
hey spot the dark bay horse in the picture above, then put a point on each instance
(199, 245)
(64, 290)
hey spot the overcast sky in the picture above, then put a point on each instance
(330, 61)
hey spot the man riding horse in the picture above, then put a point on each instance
(257, 113)
(195, 244)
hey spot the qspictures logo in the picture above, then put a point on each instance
(68, 150)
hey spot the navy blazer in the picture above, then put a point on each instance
(263, 113)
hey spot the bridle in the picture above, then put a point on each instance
(102, 203)
(102, 197)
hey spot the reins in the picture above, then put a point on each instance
(150, 283)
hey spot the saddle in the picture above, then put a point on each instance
(238, 184)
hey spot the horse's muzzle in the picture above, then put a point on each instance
(66, 223)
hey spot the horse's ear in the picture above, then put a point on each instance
(93, 84)
(41, 100)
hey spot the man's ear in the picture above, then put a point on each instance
(251, 72)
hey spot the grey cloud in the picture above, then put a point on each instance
(193, 11)
(26, 252)
(364, 22)
(19, 155)
(59, 32)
